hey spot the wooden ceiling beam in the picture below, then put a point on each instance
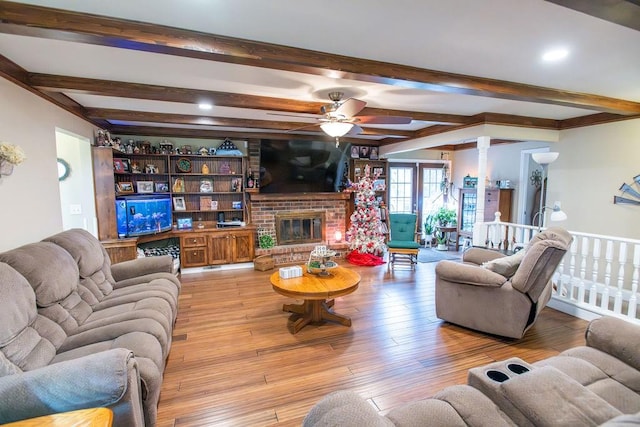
(58, 24)
(203, 120)
(206, 134)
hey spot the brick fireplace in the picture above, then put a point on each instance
(266, 209)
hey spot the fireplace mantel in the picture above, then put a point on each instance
(268, 197)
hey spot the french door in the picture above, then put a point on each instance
(415, 188)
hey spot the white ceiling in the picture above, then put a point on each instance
(498, 39)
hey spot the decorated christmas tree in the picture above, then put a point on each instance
(365, 235)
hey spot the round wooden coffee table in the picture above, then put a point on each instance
(318, 293)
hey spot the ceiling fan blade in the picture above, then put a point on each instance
(304, 127)
(303, 116)
(350, 107)
(355, 130)
(384, 120)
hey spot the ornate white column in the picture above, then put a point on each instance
(483, 146)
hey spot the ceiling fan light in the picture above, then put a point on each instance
(336, 129)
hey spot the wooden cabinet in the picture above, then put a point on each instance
(120, 250)
(194, 250)
(216, 247)
(207, 189)
(496, 200)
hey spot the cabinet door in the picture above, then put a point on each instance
(467, 212)
(194, 257)
(242, 246)
(491, 201)
(219, 248)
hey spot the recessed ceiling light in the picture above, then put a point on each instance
(205, 106)
(555, 55)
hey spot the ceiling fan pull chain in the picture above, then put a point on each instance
(337, 142)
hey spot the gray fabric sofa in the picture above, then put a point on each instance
(77, 332)
(594, 384)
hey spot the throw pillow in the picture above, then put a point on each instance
(505, 266)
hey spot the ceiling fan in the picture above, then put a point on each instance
(339, 118)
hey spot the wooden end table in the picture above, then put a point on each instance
(93, 417)
(318, 293)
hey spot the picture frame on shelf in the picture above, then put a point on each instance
(355, 152)
(184, 223)
(357, 172)
(214, 205)
(364, 151)
(236, 205)
(121, 165)
(144, 186)
(205, 203)
(373, 153)
(179, 204)
(124, 187)
(469, 182)
(377, 171)
(206, 185)
(161, 187)
(379, 185)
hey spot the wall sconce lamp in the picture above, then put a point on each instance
(338, 236)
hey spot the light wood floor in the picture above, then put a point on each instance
(234, 362)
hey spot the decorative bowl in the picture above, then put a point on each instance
(316, 267)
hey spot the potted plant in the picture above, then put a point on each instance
(444, 217)
(429, 228)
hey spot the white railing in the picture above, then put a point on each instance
(598, 275)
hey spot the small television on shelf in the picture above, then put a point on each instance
(137, 215)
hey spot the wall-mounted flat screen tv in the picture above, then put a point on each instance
(299, 166)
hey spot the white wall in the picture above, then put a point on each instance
(30, 198)
(594, 162)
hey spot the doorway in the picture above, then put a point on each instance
(416, 188)
(529, 198)
(76, 185)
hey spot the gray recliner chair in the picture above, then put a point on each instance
(498, 294)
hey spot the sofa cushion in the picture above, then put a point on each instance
(547, 397)
(92, 260)
(458, 405)
(37, 262)
(507, 265)
(17, 304)
(27, 340)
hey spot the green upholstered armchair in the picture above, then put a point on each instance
(402, 239)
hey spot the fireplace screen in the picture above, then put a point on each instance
(300, 227)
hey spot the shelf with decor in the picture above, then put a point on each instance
(203, 192)
(378, 174)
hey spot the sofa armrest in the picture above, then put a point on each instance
(479, 256)
(617, 337)
(346, 409)
(468, 274)
(98, 380)
(142, 266)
